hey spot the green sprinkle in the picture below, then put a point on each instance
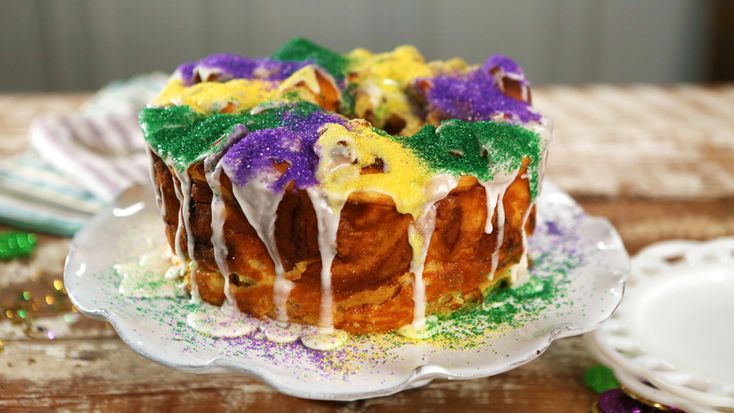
(300, 49)
(600, 378)
(481, 149)
(348, 99)
(181, 136)
(16, 245)
(22, 314)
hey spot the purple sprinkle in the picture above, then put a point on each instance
(552, 228)
(474, 96)
(503, 62)
(230, 66)
(292, 142)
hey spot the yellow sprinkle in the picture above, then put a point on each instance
(58, 285)
(382, 80)
(448, 66)
(304, 85)
(404, 178)
(306, 76)
(50, 299)
(403, 65)
(9, 313)
(209, 97)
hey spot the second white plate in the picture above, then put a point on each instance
(674, 327)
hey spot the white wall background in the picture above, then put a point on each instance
(83, 44)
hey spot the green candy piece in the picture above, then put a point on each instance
(16, 245)
(600, 378)
(300, 49)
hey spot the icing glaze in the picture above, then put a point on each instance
(327, 218)
(144, 277)
(221, 322)
(260, 206)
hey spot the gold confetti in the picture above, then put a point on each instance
(58, 285)
(50, 300)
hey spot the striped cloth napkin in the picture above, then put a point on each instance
(79, 161)
(103, 153)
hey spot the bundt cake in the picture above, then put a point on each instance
(354, 191)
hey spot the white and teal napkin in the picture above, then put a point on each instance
(79, 161)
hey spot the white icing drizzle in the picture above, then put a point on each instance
(260, 205)
(156, 189)
(184, 198)
(420, 232)
(178, 269)
(497, 192)
(323, 340)
(218, 214)
(328, 224)
(279, 332)
(221, 322)
(494, 191)
(179, 225)
(520, 272)
(144, 277)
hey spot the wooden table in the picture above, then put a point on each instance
(657, 161)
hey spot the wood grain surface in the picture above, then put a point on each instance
(657, 161)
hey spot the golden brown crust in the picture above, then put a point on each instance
(371, 283)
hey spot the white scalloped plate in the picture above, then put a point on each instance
(643, 388)
(675, 325)
(579, 269)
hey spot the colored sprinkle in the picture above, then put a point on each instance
(292, 142)
(228, 66)
(25, 295)
(481, 149)
(475, 96)
(600, 378)
(16, 245)
(504, 63)
(300, 49)
(182, 136)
